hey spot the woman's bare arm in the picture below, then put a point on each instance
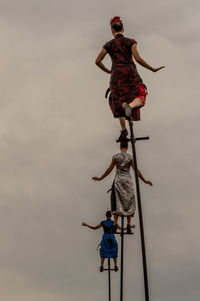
(108, 170)
(141, 176)
(91, 227)
(140, 60)
(99, 60)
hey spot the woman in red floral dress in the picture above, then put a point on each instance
(128, 93)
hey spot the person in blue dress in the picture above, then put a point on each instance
(109, 246)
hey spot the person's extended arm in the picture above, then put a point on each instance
(141, 176)
(140, 60)
(92, 227)
(110, 168)
(99, 60)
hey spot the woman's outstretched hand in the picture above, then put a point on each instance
(157, 69)
(83, 224)
(96, 179)
(148, 182)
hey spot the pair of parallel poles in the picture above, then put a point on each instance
(122, 233)
(145, 273)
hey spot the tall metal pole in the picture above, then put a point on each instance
(109, 284)
(122, 259)
(146, 287)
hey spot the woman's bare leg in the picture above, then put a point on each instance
(129, 224)
(129, 220)
(102, 261)
(122, 121)
(115, 261)
(129, 106)
(115, 218)
(135, 103)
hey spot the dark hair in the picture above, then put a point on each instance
(108, 213)
(116, 24)
(123, 144)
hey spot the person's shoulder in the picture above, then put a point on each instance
(129, 155)
(109, 42)
(116, 155)
(130, 40)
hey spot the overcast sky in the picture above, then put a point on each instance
(57, 131)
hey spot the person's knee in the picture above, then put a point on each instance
(140, 103)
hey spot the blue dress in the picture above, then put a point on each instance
(109, 246)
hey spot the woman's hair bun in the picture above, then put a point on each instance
(115, 19)
(116, 24)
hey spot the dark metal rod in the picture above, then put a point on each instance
(142, 138)
(146, 287)
(122, 259)
(109, 282)
(124, 233)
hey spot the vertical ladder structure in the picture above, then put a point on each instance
(122, 260)
(109, 279)
(145, 273)
(122, 233)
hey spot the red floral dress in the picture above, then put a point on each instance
(125, 82)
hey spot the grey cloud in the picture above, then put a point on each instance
(57, 132)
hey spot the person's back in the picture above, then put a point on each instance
(107, 226)
(123, 162)
(119, 49)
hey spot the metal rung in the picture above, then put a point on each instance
(142, 138)
(124, 233)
